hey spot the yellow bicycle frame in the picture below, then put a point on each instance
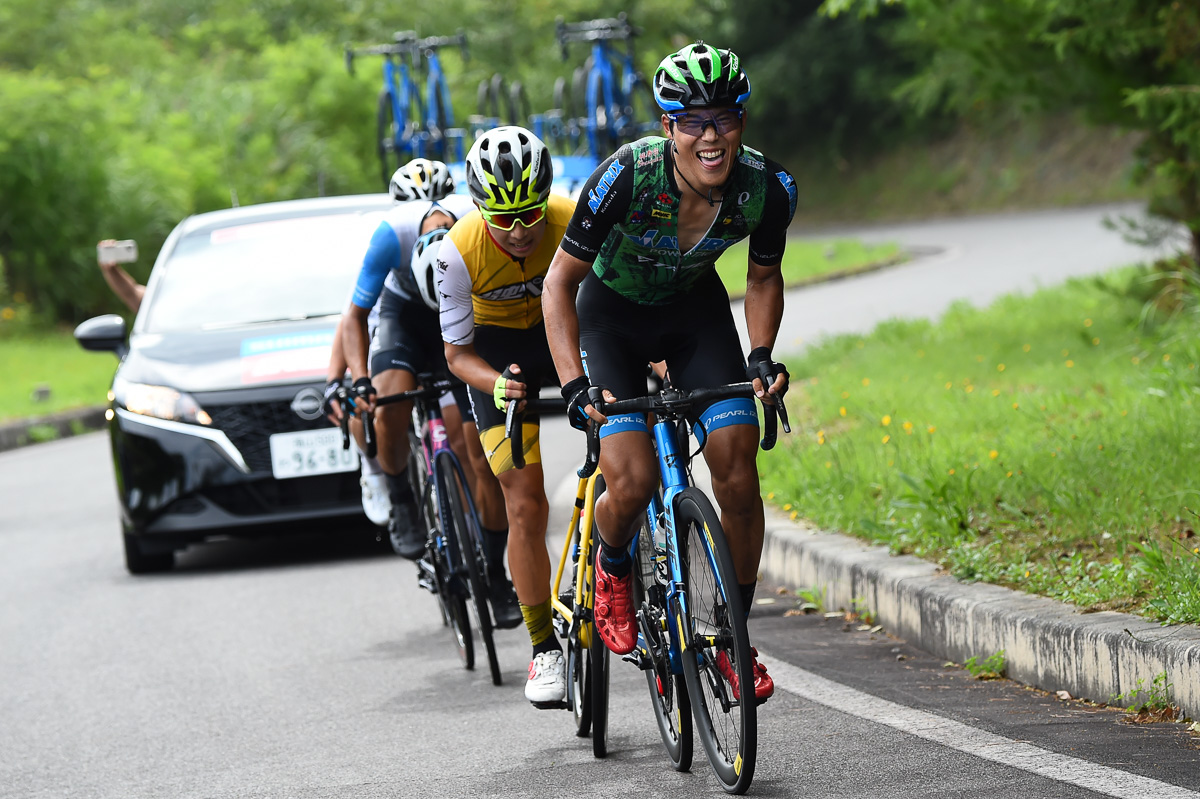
(579, 534)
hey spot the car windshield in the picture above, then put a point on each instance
(261, 271)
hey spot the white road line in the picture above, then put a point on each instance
(972, 741)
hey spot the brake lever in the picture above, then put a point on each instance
(344, 421)
(513, 427)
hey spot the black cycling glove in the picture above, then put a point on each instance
(580, 393)
(361, 389)
(759, 365)
(331, 398)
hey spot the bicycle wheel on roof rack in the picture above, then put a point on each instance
(519, 110)
(386, 132)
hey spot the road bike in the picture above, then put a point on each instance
(455, 566)
(618, 105)
(408, 126)
(692, 639)
(587, 658)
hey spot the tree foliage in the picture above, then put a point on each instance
(121, 117)
(1133, 63)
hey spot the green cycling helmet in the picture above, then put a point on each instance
(700, 76)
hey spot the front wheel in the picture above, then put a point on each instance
(597, 653)
(453, 497)
(717, 663)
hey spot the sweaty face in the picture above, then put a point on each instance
(706, 158)
(521, 241)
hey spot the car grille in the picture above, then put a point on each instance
(249, 425)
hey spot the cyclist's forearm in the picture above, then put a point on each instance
(562, 320)
(337, 354)
(764, 309)
(470, 368)
(354, 342)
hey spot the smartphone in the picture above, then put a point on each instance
(117, 252)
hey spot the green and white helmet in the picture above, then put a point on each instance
(508, 169)
(699, 76)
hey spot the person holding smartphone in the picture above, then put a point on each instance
(110, 254)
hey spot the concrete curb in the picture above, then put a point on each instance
(1047, 644)
(63, 424)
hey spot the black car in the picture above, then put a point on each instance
(216, 418)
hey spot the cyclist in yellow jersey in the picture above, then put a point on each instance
(490, 271)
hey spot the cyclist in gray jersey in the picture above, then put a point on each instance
(633, 281)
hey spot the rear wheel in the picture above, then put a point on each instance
(717, 664)
(470, 549)
(668, 691)
(577, 675)
(597, 654)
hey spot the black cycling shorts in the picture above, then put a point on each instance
(409, 337)
(499, 347)
(694, 334)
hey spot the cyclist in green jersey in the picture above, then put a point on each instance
(633, 281)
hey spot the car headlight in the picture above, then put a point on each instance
(159, 401)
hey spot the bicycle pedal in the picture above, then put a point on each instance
(560, 704)
(638, 658)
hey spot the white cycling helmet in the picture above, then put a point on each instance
(421, 179)
(424, 264)
(508, 169)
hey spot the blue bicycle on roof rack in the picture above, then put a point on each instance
(408, 126)
(617, 107)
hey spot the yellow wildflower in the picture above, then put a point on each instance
(993, 454)
(931, 429)
(1070, 363)
(886, 439)
(8, 314)
(1166, 357)
(1026, 348)
(951, 471)
(1016, 406)
(1095, 342)
(887, 420)
(866, 381)
(999, 367)
(845, 395)
(908, 426)
(842, 411)
(1087, 322)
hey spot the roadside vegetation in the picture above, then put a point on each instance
(50, 373)
(808, 261)
(1050, 443)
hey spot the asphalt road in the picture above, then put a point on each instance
(315, 667)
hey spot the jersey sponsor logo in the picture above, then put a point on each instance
(637, 216)
(736, 413)
(750, 161)
(596, 195)
(579, 246)
(649, 157)
(530, 288)
(789, 183)
(664, 198)
(658, 213)
(586, 223)
(743, 198)
(653, 241)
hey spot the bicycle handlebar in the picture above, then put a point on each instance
(407, 43)
(592, 30)
(435, 387)
(676, 403)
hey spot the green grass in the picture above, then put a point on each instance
(1050, 443)
(804, 261)
(74, 376)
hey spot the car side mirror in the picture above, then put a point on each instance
(103, 334)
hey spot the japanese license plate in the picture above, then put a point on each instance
(308, 452)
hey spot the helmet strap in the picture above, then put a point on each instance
(707, 197)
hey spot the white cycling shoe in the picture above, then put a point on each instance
(375, 501)
(547, 684)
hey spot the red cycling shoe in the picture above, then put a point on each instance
(615, 620)
(764, 686)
